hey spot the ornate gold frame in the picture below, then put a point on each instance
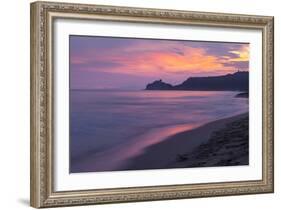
(42, 17)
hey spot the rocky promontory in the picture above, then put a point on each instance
(159, 85)
(238, 81)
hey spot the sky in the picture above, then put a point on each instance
(132, 63)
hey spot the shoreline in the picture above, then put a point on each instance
(182, 149)
(118, 156)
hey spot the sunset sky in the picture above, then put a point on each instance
(129, 63)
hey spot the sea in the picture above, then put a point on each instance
(109, 127)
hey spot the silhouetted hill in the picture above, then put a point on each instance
(238, 81)
(159, 85)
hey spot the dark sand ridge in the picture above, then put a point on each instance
(198, 147)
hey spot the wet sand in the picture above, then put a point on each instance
(222, 142)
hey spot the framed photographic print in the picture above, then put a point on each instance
(135, 104)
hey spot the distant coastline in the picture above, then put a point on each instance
(238, 81)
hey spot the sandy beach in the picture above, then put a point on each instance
(222, 142)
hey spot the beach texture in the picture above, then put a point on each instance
(223, 142)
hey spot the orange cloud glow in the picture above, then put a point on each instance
(164, 57)
(243, 54)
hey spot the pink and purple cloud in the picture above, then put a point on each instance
(130, 63)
